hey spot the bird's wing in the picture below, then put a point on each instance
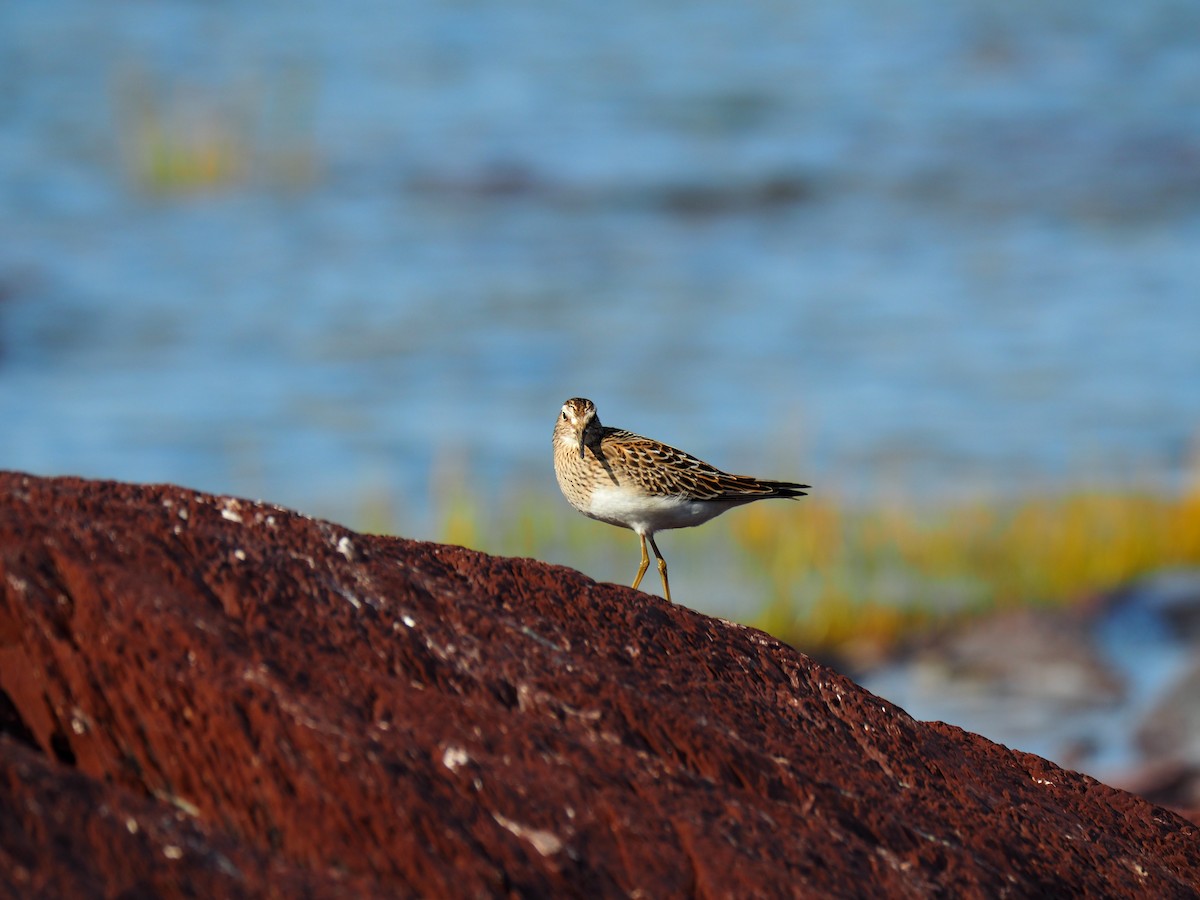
(659, 469)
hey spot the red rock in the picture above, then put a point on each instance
(1170, 782)
(299, 710)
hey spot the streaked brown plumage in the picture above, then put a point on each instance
(625, 479)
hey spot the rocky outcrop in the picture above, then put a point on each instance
(205, 696)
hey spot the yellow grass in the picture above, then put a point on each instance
(847, 580)
(177, 138)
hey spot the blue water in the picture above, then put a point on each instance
(1045, 704)
(864, 245)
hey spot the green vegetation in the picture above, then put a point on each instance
(843, 580)
(181, 138)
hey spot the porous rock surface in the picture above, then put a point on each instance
(204, 696)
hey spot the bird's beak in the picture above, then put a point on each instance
(581, 445)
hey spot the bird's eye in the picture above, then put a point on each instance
(564, 415)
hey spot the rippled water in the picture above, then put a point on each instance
(863, 245)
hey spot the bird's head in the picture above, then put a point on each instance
(573, 422)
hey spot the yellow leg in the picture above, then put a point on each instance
(645, 562)
(662, 567)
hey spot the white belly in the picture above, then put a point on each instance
(644, 515)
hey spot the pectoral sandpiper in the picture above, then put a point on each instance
(624, 479)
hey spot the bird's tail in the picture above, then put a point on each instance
(785, 488)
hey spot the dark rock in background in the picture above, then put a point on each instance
(206, 696)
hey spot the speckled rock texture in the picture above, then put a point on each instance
(203, 696)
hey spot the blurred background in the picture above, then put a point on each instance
(942, 263)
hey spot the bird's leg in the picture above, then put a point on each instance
(662, 567)
(645, 562)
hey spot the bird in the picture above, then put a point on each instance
(624, 479)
